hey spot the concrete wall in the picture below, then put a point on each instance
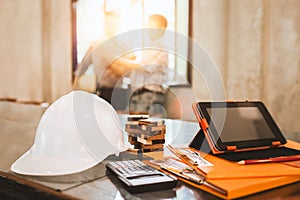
(256, 46)
(35, 49)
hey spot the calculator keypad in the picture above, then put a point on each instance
(132, 168)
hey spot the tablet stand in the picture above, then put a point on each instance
(199, 142)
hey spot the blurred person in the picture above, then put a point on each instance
(147, 84)
(107, 77)
(145, 68)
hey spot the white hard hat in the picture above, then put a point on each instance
(76, 132)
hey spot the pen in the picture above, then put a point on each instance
(171, 169)
(182, 156)
(189, 173)
(186, 173)
(197, 178)
(269, 160)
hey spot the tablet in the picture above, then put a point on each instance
(237, 126)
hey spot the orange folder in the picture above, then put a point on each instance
(231, 188)
(222, 168)
(242, 180)
(239, 187)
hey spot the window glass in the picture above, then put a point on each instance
(91, 25)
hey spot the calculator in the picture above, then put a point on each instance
(137, 176)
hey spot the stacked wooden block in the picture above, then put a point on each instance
(145, 134)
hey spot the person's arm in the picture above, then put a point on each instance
(124, 64)
(86, 61)
(82, 67)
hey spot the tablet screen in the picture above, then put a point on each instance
(239, 124)
(242, 123)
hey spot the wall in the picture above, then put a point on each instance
(256, 46)
(35, 49)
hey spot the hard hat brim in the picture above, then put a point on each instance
(28, 164)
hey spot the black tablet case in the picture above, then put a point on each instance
(199, 142)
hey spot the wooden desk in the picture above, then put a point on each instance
(18, 124)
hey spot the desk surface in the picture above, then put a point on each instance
(18, 123)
